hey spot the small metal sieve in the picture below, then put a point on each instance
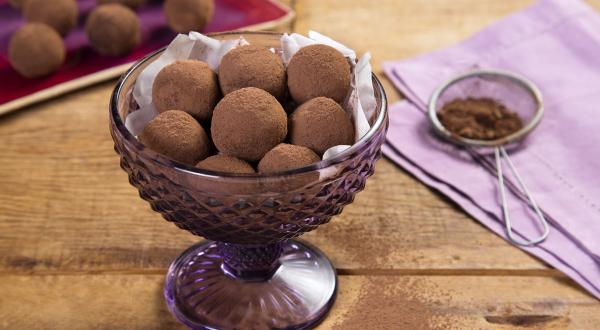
(519, 95)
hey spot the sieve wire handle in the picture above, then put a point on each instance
(501, 154)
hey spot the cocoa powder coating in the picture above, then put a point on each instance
(184, 16)
(479, 119)
(227, 164)
(252, 66)
(320, 124)
(187, 85)
(133, 4)
(61, 15)
(16, 3)
(287, 157)
(247, 123)
(36, 50)
(177, 135)
(318, 70)
(113, 29)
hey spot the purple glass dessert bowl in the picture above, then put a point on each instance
(252, 274)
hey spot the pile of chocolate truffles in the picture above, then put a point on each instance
(113, 29)
(236, 121)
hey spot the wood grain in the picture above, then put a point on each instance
(133, 301)
(79, 249)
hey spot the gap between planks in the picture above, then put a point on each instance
(553, 273)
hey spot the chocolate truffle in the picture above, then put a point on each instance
(320, 124)
(247, 123)
(129, 3)
(188, 85)
(287, 157)
(184, 16)
(227, 164)
(16, 3)
(113, 29)
(61, 15)
(36, 50)
(252, 66)
(177, 135)
(318, 70)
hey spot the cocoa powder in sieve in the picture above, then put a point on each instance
(479, 119)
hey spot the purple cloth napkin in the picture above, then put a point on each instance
(556, 44)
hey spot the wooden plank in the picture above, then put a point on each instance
(461, 302)
(68, 206)
(377, 302)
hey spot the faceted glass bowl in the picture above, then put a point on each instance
(251, 275)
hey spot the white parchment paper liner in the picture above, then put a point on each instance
(360, 103)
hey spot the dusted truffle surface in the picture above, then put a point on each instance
(247, 123)
(320, 124)
(58, 14)
(113, 29)
(318, 70)
(16, 3)
(252, 66)
(184, 16)
(227, 164)
(188, 85)
(287, 157)
(177, 135)
(36, 50)
(129, 3)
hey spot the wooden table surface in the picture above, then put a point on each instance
(80, 250)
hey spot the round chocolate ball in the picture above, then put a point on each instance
(187, 85)
(184, 16)
(320, 124)
(58, 14)
(252, 66)
(113, 29)
(247, 123)
(36, 50)
(177, 135)
(227, 164)
(287, 157)
(318, 70)
(129, 3)
(16, 3)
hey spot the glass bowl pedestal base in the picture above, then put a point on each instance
(286, 285)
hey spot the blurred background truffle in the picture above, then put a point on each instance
(187, 85)
(252, 66)
(318, 70)
(286, 157)
(320, 124)
(58, 14)
(184, 16)
(113, 29)
(133, 4)
(227, 164)
(36, 50)
(247, 123)
(16, 3)
(177, 135)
